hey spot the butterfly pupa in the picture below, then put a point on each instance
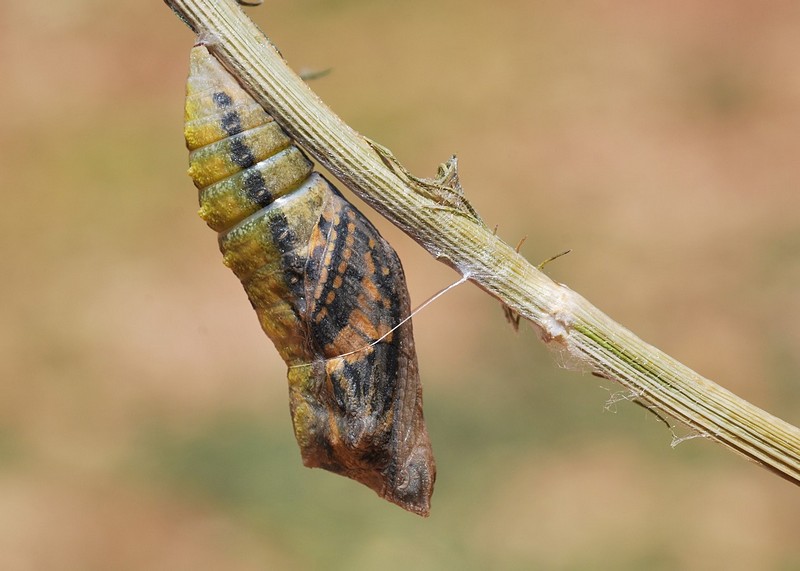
(324, 284)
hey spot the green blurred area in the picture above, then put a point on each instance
(143, 415)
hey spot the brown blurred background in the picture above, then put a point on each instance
(143, 416)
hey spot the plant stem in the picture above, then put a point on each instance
(436, 215)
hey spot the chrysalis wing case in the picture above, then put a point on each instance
(325, 286)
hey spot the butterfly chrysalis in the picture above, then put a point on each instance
(325, 285)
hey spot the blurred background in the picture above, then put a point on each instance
(144, 420)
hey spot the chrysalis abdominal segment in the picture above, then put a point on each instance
(327, 288)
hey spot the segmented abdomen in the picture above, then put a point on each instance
(325, 286)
